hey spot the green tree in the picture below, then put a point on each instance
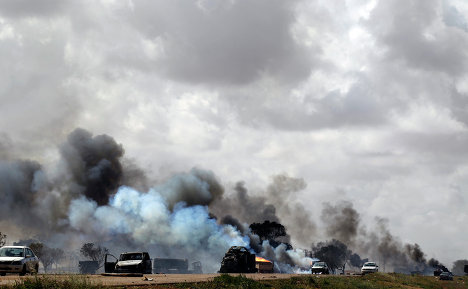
(94, 252)
(47, 256)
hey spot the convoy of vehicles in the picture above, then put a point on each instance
(369, 267)
(18, 259)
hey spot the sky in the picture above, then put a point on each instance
(365, 101)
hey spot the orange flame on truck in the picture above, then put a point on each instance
(260, 259)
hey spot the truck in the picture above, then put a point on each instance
(238, 260)
(175, 266)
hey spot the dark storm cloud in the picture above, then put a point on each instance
(232, 42)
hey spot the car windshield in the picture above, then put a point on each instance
(319, 264)
(11, 252)
(369, 264)
(132, 256)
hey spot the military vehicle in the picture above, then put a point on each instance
(238, 260)
(175, 266)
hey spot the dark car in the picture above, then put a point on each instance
(446, 276)
(320, 268)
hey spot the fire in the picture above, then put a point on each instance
(260, 259)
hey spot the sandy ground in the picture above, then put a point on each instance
(146, 280)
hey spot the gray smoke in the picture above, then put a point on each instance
(247, 209)
(94, 164)
(342, 221)
(198, 187)
(20, 185)
(99, 195)
(279, 203)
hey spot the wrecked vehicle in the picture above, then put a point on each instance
(128, 262)
(263, 265)
(238, 260)
(175, 266)
(446, 276)
(320, 268)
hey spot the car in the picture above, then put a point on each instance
(18, 259)
(446, 276)
(129, 262)
(369, 267)
(320, 268)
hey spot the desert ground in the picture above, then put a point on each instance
(147, 279)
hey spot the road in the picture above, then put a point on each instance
(148, 279)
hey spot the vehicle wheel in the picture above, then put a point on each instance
(23, 272)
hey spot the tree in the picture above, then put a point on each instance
(2, 239)
(334, 253)
(97, 253)
(271, 231)
(268, 230)
(47, 255)
(458, 267)
(37, 248)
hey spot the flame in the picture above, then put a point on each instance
(260, 259)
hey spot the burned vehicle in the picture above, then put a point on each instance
(128, 262)
(263, 265)
(320, 268)
(238, 260)
(175, 266)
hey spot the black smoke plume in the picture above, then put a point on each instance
(94, 164)
(245, 208)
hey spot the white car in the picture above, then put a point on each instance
(369, 267)
(18, 259)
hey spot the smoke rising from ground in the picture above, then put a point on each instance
(278, 204)
(100, 195)
(341, 221)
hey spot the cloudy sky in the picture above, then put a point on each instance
(367, 101)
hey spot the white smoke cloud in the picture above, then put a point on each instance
(146, 220)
